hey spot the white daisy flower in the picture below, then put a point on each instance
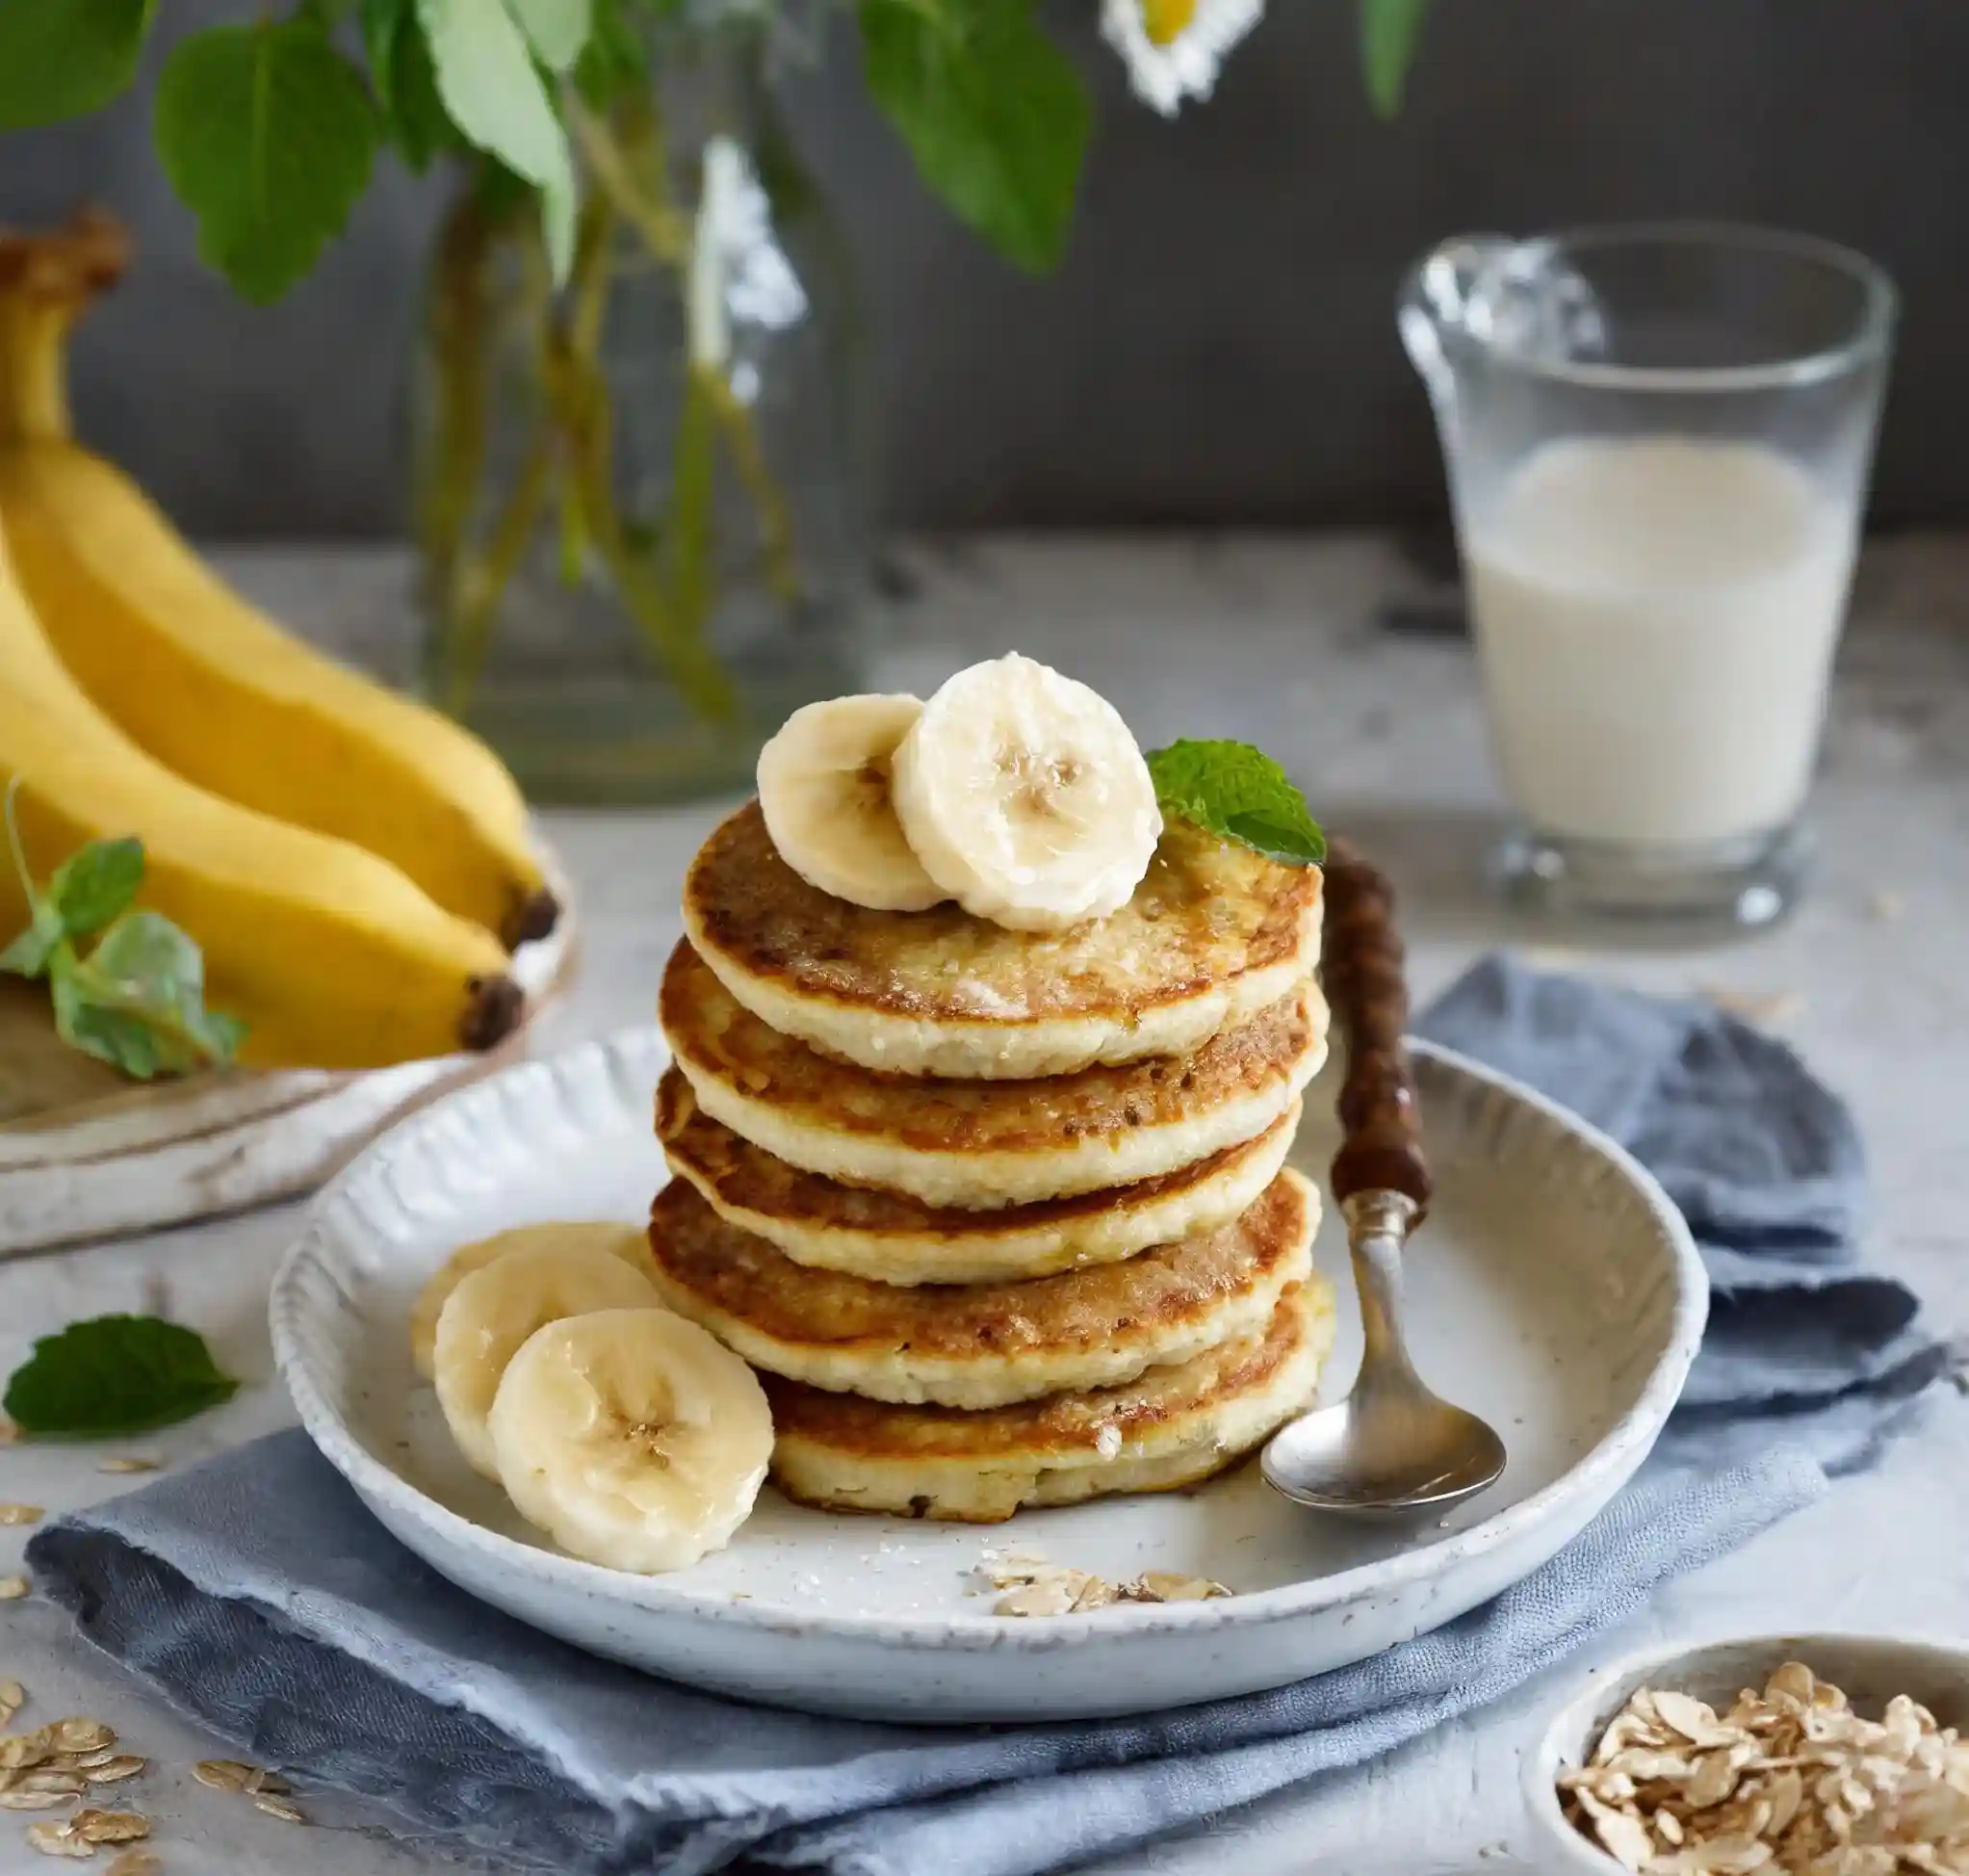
(1173, 49)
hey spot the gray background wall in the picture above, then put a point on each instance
(1218, 348)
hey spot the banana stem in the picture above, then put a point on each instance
(33, 366)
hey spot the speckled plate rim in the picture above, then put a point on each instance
(640, 1056)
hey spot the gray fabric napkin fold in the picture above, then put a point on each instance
(262, 1600)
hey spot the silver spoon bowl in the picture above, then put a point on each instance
(1393, 1445)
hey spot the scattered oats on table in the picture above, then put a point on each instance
(279, 1807)
(223, 1774)
(1788, 1781)
(21, 1514)
(57, 1841)
(13, 1588)
(136, 1862)
(79, 1734)
(110, 1826)
(135, 1462)
(112, 1769)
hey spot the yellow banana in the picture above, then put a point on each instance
(208, 685)
(331, 955)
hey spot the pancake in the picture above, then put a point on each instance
(1173, 1426)
(981, 1345)
(1214, 934)
(892, 1239)
(985, 1144)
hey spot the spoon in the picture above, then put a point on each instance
(1392, 1445)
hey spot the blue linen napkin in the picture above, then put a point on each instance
(262, 1597)
(264, 1600)
(1765, 1166)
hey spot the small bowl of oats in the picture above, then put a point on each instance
(1783, 1755)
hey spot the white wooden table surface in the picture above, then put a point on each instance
(1275, 641)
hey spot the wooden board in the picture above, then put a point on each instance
(85, 1155)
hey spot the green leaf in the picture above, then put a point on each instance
(97, 882)
(114, 1375)
(28, 955)
(556, 29)
(405, 83)
(1240, 792)
(1391, 32)
(147, 971)
(492, 91)
(63, 57)
(267, 133)
(150, 956)
(123, 1039)
(996, 117)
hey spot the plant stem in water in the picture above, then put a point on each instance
(483, 580)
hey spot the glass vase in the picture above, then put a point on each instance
(643, 493)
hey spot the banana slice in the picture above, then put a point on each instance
(1025, 798)
(631, 1438)
(630, 1242)
(493, 1311)
(823, 789)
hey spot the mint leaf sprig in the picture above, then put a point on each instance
(136, 997)
(1240, 793)
(114, 1375)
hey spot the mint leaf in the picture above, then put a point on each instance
(28, 955)
(145, 954)
(267, 133)
(1390, 31)
(138, 1000)
(556, 29)
(994, 115)
(492, 91)
(123, 1039)
(115, 1375)
(1240, 792)
(95, 882)
(64, 58)
(405, 83)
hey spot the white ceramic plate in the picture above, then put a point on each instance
(1555, 1291)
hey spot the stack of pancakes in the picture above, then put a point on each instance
(1002, 1219)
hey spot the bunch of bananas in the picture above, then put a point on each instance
(354, 866)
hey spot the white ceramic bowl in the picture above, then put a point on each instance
(1870, 1669)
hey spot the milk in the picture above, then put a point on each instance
(1655, 618)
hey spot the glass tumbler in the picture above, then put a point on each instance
(1658, 441)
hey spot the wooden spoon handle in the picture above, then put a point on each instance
(1361, 969)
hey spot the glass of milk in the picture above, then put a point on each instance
(1658, 441)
